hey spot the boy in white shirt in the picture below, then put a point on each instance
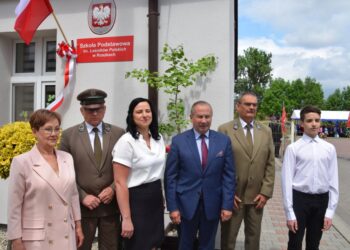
(309, 183)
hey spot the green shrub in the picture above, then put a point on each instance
(15, 139)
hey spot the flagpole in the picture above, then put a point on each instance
(59, 26)
(284, 134)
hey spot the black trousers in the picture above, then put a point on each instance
(309, 210)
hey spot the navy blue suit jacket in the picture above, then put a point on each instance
(186, 182)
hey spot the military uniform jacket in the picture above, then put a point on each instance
(91, 178)
(254, 174)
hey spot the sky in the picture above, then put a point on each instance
(307, 38)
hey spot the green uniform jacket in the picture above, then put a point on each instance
(91, 178)
(254, 175)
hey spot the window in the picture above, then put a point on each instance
(25, 58)
(49, 93)
(24, 106)
(34, 77)
(50, 65)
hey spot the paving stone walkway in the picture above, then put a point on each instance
(274, 234)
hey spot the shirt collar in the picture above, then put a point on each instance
(141, 136)
(89, 127)
(243, 123)
(197, 135)
(307, 138)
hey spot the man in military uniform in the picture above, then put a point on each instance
(91, 143)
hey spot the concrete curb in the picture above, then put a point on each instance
(342, 227)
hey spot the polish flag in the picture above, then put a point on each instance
(348, 122)
(30, 14)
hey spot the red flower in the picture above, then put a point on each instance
(167, 148)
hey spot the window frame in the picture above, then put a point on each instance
(37, 65)
(43, 85)
(39, 78)
(43, 68)
(13, 93)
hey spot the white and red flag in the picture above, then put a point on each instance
(69, 54)
(30, 14)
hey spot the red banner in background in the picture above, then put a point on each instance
(105, 49)
(283, 120)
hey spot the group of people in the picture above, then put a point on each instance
(105, 179)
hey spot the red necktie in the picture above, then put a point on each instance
(204, 152)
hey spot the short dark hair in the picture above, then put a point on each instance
(246, 93)
(131, 126)
(41, 116)
(309, 109)
(200, 102)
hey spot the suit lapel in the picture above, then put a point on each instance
(65, 174)
(191, 140)
(44, 170)
(212, 149)
(257, 138)
(106, 141)
(240, 136)
(85, 141)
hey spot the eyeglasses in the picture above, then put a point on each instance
(248, 104)
(50, 131)
(95, 110)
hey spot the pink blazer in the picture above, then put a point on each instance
(43, 206)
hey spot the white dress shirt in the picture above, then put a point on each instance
(92, 134)
(310, 166)
(146, 164)
(244, 126)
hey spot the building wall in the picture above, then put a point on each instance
(201, 26)
(5, 74)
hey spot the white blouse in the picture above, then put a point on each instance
(146, 164)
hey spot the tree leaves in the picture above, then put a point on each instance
(254, 72)
(181, 73)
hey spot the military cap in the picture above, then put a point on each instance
(92, 96)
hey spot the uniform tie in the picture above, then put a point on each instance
(97, 147)
(249, 139)
(204, 152)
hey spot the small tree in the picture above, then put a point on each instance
(181, 73)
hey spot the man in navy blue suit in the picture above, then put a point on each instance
(199, 180)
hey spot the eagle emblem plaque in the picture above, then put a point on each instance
(101, 16)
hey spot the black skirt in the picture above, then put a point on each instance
(147, 215)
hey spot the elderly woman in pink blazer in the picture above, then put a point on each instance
(43, 210)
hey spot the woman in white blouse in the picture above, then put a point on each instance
(138, 163)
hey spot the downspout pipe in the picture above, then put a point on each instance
(236, 39)
(153, 24)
